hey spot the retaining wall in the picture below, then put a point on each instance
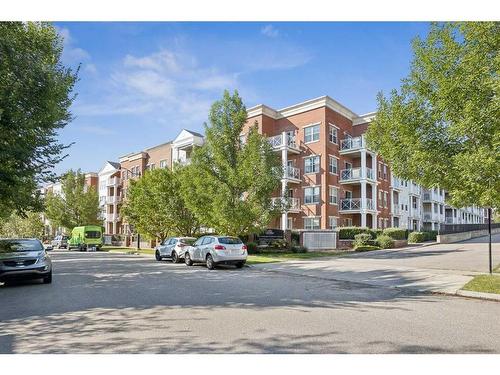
(457, 237)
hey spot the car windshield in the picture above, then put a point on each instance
(188, 241)
(229, 240)
(10, 246)
(92, 234)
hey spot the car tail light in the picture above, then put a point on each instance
(244, 247)
(219, 247)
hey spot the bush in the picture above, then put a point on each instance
(252, 248)
(362, 239)
(299, 249)
(396, 233)
(385, 242)
(295, 237)
(430, 235)
(366, 248)
(416, 237)
(348, 233)
(279, 244)
(377, 232)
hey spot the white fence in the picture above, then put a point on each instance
(319, 239)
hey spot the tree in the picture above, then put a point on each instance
(35, 96)
(229, 184)
(155, 206)
(77, 205)
(29, 225)
(442, 128)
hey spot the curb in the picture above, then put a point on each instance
(478, 295)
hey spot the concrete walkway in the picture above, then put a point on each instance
(437, 268)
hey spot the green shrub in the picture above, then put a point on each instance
(295, 237)
(348, 233)
(396, 233)
(252, 248)
(377, 232)
(430, 235)
(385, 242)
(299, 249)
(279, 244)
(416, 237)
(362, 239)
(366, 248)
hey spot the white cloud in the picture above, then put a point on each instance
(90, 68)
(270, 31)
(97, 130)
(71, 53)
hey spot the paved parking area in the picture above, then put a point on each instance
(115, 303)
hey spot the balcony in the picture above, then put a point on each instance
(112, 217)
(430, 216)
(396, 184)
(284, 141)
(395, 210)
(292, 174)
(413, 189)
(356, 205)
(356, 175)
(288, 204)
(449, 220)
(352, 145)
(113, 182)
(113, 199)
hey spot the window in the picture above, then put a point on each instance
(385, 196)
(311, 223)
(311, 164)
(332, 165)
(311, 134)
(332, 222)
(380, 170)
(311, 195)
(385, 172)
(290, 223)
(348, 222)
(332, 134)
(163, 163)
(333, 193)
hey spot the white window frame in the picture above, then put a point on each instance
(335, 218)
(315, 166)
(307, 188)
(314, 219)
(164, 163)
(313, 134)
(333, 132)
(335, 195)
(330, 158)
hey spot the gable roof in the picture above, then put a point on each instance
(114, 164)
(194, 133)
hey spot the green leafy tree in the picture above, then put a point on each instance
(155, 207)
(442, 128)
(77, 205)
(28, 225)
(229, 185)
(35, 96)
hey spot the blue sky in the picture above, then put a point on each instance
(141, 83)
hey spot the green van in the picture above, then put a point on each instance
(86, 237)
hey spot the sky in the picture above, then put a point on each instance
(140, 84)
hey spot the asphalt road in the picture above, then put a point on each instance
(111, 303)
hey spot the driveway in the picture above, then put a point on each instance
(116, 303)
(442, 268)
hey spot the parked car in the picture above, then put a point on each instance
(173, 248)
(215, 250)
(86, 237)
(24, 258)
(60, 242)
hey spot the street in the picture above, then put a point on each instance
(115, 303)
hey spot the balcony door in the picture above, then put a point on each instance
(348, 194)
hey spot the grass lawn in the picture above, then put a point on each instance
(280, 257)
(128, 250)
(484, 283)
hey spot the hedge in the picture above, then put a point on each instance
(366, 248)
(252, 248)
(363, 239)
(396, 233)
(416, 237)
(348, 233)
(385, 242)
(430, 235)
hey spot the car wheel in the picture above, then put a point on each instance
(187, 259)
(240, 264)
(158, 256)
(210, 262)
(174, 257)
(48, 279)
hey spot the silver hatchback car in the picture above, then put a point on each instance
(173, 248)
(24, 258)
(214, 250)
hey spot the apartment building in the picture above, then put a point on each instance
(110, 194)
(332, 179)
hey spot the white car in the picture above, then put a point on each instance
(173, 248)
(214, 250)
